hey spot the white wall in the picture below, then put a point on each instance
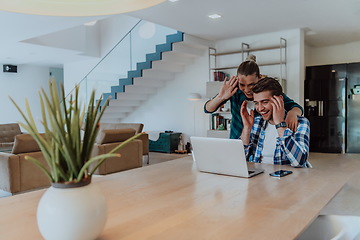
(344, 53)
(26, 83)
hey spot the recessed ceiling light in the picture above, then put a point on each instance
(173, 0)
(214, 16)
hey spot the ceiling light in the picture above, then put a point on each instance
(214, 16)
(173, 0)
(76, 7)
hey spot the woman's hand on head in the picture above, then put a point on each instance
(292, 120)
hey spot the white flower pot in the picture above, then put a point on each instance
(72, 213)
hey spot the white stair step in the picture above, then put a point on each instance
(120, 109)
(125, 103)
(177, 58)
(157, 74)
(110, 120)
(149, 82)
(167, 66)
(140, 89)
(131, 96)
(183, 49)
(109, 115)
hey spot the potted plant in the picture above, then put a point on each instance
(71, 208)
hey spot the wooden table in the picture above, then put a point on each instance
(172, 200)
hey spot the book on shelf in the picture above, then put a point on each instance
(219, 76)
(219, 122)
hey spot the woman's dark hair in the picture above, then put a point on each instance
(268, 84)
(249, 67)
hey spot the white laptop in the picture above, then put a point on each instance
(221, 156)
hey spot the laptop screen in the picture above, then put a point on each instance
(219, 155)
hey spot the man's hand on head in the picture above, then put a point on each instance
(278, 113)
(247, 118)
(248, 122)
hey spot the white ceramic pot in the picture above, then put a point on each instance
(72, 213)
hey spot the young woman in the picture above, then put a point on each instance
(239, 89)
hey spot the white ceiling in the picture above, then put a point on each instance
(333, 21)
(329, 22)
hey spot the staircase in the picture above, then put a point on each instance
(160, 67)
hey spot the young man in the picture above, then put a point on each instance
(266, 138)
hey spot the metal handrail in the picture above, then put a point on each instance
(129, 32)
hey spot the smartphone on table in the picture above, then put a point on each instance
(280, 173)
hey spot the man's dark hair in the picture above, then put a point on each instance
(268, 84)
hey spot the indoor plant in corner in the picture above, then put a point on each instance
(71, 208)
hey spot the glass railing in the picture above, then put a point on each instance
(123, 57)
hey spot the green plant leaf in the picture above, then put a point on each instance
(42, 167)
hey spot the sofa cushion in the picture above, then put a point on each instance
(137, 126)
(8, 132)
(25, 143)
(116, 135)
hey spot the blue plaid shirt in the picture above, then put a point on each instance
(292, 148)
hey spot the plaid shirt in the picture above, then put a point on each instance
(292, 148)
(236, 122)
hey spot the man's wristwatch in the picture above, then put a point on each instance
(280, 125)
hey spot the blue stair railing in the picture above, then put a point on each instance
(135, 52)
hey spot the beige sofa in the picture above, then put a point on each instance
(8, 133)
(18, 174)
(131, 153)
(138, 127)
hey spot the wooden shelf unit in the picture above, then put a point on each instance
(259, 64)
(249, 50)
(246, 50)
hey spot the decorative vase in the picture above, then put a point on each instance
(72, 212)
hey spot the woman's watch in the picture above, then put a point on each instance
(280, 125)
